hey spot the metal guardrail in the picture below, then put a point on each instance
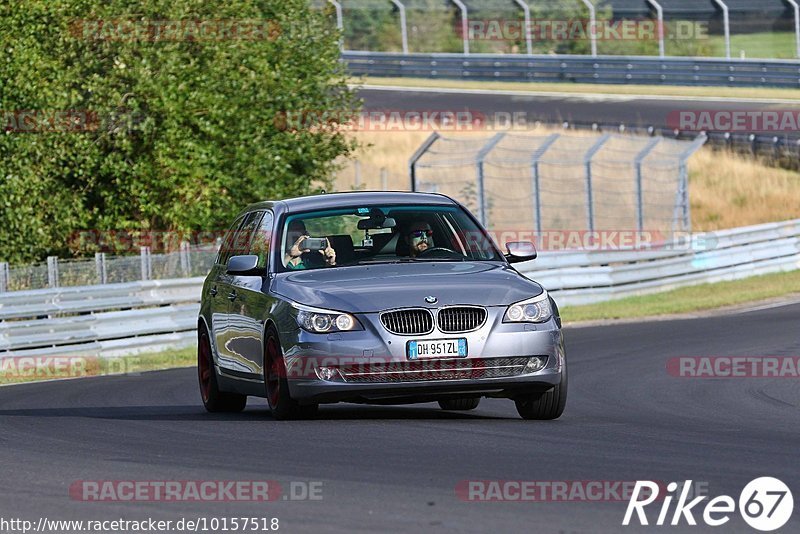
(103, 320)
(579, 69)
(117, 319)
(576, 278)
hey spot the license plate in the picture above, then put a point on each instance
(437, 348)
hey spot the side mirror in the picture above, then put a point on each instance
(519, 251)
(245, 266)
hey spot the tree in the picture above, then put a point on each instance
(184, 128)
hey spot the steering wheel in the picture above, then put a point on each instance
(429, 251)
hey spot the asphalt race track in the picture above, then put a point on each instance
(603, 109)
(396, 468)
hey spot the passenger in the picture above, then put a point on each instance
(298, 258)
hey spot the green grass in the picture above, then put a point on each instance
(14, 371)
(770, 45)
(689, 299)
(754, 93)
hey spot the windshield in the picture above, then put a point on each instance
(382, 234)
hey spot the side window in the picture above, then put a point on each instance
(237, 240)
(261, 240)
(227, 243)
(242, 238)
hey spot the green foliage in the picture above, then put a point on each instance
(198, 139)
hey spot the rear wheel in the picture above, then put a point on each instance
(280, 402)
(214, 400)
(460, 405)
(547, 405)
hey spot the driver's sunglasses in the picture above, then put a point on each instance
(420, 233)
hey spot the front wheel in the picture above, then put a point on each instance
(547, 405)
(214, 400)
(283, 406)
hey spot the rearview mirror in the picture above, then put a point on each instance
(376, 224)
(245, 266)
(519, 251)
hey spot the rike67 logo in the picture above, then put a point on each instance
(765, 504)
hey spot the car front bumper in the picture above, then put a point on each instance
(372, 365)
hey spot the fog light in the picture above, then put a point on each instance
(535, 364)
(328, 374)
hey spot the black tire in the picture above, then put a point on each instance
(547, 405)
(283, 406)
(214, 400)
(460, 405)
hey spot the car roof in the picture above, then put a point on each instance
(351, 198)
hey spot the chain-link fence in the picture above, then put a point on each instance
(107, 269)
(596, 183)
(357, 175)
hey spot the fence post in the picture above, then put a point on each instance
(464, 24)
(4, 276)
(589, 192)
(52, 271)
(660, 33)
(592, 25)
(726, 20)
(412, 163)
(483, 215)
(357, 169)
(796, 8)
(147, 267)
(339, 22)
(526, 10)
(403, 24)
(639, 192)
(186, 260)
(384, 179)
(537, 197)
(100, 267)
(696, 145)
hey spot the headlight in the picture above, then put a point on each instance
(320, 321)
(535, 310)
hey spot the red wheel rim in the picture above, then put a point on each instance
(273, 365)
(204, 366)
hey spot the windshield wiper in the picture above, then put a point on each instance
(440, 259)
(393, 260)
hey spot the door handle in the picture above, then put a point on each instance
(213, 291)
(232, 296)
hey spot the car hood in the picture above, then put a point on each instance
(373, 288)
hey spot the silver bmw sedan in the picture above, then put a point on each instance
(375, 297)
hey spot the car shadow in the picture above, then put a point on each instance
(254, 413)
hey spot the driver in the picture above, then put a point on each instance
(419, 238)
(298, 258)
